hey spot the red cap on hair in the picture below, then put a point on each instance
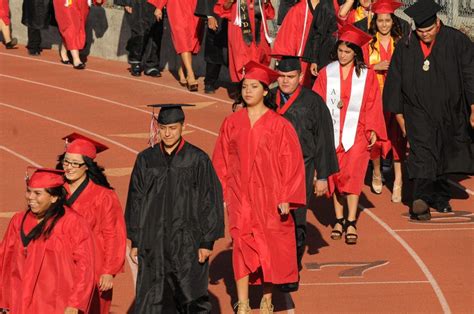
(79, 144)
(257, 71)
(352, 34)
(385, 6)
(45, 178)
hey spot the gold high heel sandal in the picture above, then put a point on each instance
(242, 307)
(397, 193)
(266, 306)
(377, 183)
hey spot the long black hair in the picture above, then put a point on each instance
(53, 213)
(359, 62)
(268, 100)
(94, 171)
(395, 32)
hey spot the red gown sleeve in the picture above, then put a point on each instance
(7, 247)
(320, 85)
(159, 4)
(220, 11)
(269, 11)
(285, 44)
(82, 246)
(114, 234)
(291, 165)
(220, 156)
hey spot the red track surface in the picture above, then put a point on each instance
(397, 266)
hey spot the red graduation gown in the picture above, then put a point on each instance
(353, 163)
(72, 22)
(102, 210)
(186, 28)
(55, 273)
(259, 168)
(239, 52)
(397, 142)
(293, 34)
(5, 12)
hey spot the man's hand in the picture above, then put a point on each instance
(472, 118)
(71, 310)
(314, 69)
(382, 65)
(98, 1)
(320, 187)
(212, 23)
(134, 255)
(158, 14)
(204, 255)
(106, 282)
(373, 139)
(284, 208)
(128, 9)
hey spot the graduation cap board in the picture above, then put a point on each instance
(385, 6)
(44, 178)
(352, 34)
(423, 12)
(170, 113)
(288, 63)
(259, 72)
(80, 144)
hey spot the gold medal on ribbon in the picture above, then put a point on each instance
(340, 104)
(426, 65)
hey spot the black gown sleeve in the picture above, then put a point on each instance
(133, 209)
(211, 204)
(325, 159)
(123, 3)
(466, 52)
(392, 91)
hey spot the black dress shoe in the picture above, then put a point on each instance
(421, 217)
(34, 52)
(289, 287)
(419, 207)
(445, 209)
(135, 69)
(153, 72)
(65, 61)
(80, 66)
(209, 89)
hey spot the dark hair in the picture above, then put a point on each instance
(95, 172)
(268, 100)
(53, 213)
(359, 62)
(395, 32)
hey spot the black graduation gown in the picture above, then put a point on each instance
(321, 37)
(172, 210)
(312, 121)
(215, 46)
(38, 14)
(435, 103)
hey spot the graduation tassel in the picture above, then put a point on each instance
(68, 3)
(153, 130)
(238, 19)
(267, 36)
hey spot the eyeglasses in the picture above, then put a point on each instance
(73, 164)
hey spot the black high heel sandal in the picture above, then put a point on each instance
(351, 238)
(337, 234)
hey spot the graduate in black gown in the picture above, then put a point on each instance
(430, 86)
(144, 44)
(312, 121)
(215, 46)
(37, 15)
(174, 214)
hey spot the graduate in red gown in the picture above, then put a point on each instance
(386, 31)
(293, 34)
(92, 197)
(186, 33)
(8, 41)
(361, 14)
(259, 161)
(47, 253)
(71, 16)
(248, 35)
(353, 96)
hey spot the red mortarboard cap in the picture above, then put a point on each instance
(45, 178)
(352, 34)
(79, 144)
(257, 71)
(423, 12)
(385, 6)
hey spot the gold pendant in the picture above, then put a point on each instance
(340, 104)
(426, 65)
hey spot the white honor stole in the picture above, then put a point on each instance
(333, 97)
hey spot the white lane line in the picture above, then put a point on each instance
(98, 98)
(363, 283)
(459, 186)
(434, 284)
(133, 266)
(121, 77)
(433, 229)
(22, 157)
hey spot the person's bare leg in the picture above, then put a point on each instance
(338, 200)
(398, 182)
(6, 32)
(187, 60)
(181, 74)
(76, 60)
(377, 184)
(243, 295)
(63, 53)
(352, 203)
(266, 305)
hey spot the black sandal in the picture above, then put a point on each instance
(351, 238)
(336, 234)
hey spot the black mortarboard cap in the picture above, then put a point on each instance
(170, 113)
(289, 63)
(423, 12)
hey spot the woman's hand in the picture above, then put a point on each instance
(373, 139)
(382, 65)
(106, 282)
(284, 208)
(158, 14)
(71, 310)
(314, 69)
